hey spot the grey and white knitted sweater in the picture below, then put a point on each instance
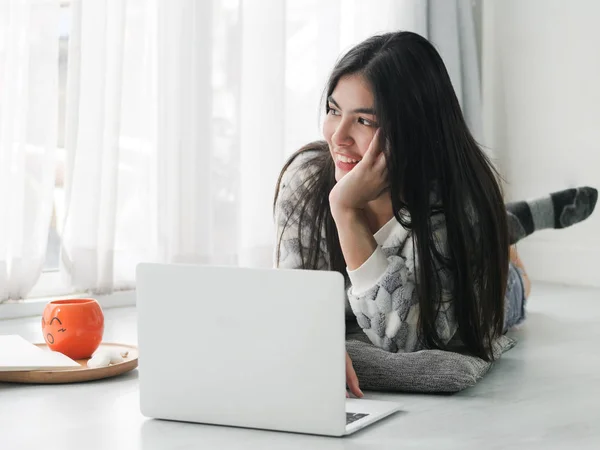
(381, 294)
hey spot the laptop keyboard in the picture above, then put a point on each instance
(353, 417)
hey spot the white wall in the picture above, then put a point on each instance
(541, 94)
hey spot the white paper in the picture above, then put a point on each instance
(18, 354)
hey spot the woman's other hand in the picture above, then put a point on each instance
(352, 379)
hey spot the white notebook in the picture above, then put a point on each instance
(18, 354)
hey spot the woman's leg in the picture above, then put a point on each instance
(514, 258)
(557, 210)
(518, 287)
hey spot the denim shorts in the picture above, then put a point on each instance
(514, 299)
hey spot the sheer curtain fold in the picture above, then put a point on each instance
(262, 124)
(186, 204)
(28, 134)
(108, 147)
(451, 28)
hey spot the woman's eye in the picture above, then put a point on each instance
(365, 122)
(333, 111)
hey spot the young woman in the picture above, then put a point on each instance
(401, 200)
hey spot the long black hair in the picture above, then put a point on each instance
(429, 146)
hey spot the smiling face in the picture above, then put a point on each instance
(52, 328)
(350, 123)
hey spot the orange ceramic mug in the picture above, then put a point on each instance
(73, 327)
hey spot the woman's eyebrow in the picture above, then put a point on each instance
(370, 111)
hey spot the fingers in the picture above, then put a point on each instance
(352, 379)
(380, 163)
(374, 148)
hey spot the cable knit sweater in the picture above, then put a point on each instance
(381, 294)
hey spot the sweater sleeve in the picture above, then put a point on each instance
(292, 242)
(385, 302)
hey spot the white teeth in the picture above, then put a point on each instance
(344, 159)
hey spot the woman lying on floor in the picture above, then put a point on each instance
(401, 200)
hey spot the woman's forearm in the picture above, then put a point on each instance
(356, 239)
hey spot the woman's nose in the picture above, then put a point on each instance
(341, 136)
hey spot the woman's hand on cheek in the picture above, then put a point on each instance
(362, 184)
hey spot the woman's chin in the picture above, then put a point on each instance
(339, 174)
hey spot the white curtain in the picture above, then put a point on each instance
(110, 139)
(28, 136)
(179, 116)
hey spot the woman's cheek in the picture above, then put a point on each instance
(328, 128)
(364, 141)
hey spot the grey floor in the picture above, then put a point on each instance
(543, 394)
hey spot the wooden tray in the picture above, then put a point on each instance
(75, 375)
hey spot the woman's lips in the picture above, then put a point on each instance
(345, 163)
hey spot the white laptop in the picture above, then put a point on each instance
(256, 348)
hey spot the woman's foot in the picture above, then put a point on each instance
(514, 258)
(557, 210)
